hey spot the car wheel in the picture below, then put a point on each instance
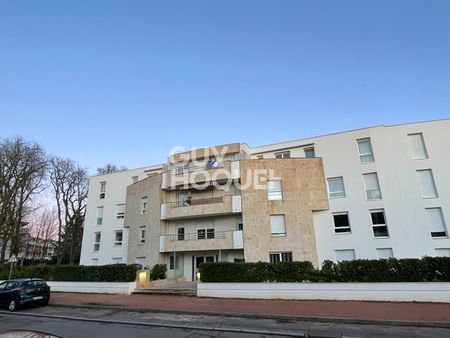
(12, 306)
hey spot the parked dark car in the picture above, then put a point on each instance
(17, 292)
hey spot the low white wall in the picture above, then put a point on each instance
(395, 292)
(93, 287)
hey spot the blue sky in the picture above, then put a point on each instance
(125, 81)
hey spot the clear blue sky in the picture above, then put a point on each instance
(125, 81)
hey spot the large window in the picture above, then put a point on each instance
(120, 211)
(436, 222)
(336, 187)
(365, 150)
(142, 235)
(417, 145)
(205, 233)
(181, 198)
(277, 225)
(427, 185)
(97, 238)
(284, 154)
(274, 190)
(181, 169)
(344, 255)
(379, 225)
(372, 185)
(280, 257)
(99, 215)
(118, 237)
(341, 223)
(102, 190)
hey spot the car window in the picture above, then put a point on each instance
(28, 285)
(11, 285)
(39, 283)
(2, 285)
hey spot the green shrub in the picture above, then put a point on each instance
(437, 268)
(294, 272)
(159, 271)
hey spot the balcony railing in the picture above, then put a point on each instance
(198, 201)
(204, 239)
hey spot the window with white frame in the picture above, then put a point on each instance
(284, 154)
(181, 198)
(372, 186)
(117, 260)
(385, 253)
(341, 223)
(379, 225)
(144, 205)
(365, 150)
(208, 233)
(442, 252)
(344, 255)
(120, 211)
(134, 179)
(417, 145)
(277, 257)
(181, 169)
(102, 190)
(97, 239)
(118, 237)
(336, 187)
(274, 190)
(427, 184)
(142, 233)
(277, 225)
(99, 215)
(436, 222)
(309, 152)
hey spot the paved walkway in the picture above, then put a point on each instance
(415, 312)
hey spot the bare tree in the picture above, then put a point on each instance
(23, 166)
(70, 188)
(110, 168)
(43, 231)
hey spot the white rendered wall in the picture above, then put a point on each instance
(116, 185)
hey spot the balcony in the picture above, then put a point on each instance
(216, 240)
(221, 205)
(185, 175)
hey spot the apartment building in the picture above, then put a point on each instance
(369, 193)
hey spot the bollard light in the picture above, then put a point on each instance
(198, 276)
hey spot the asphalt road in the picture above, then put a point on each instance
(84, 322)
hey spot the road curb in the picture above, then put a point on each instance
(338, 320)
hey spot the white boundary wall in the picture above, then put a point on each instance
(93, 287)
(394, 292)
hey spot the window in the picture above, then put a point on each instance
(274, 190)
(181, 198)
(344, 255)
(201, 233)
(240, 226)
(442, 252)
(120, 211)
(341, 223)
(98, 237)
(99, 215)
(94, 261)
(277, 225)
(284, 154)
(336, 187)
(427, 185)
(385, 253)
(102, 190)
(180, 234)
(436, 222)
(144, 205)
(181, 169)
(372, 185)
(309, 152)
(118, 238)
(117, 260)
(259, 157)
(134, 179)
(210, 233)
(142, 234)
(365, 150)
(172, 262)
(417, 145)
(212, 164)
(379, 226)
(280, 257)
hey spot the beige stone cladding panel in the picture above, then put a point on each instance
(134, 219)
(304, 190)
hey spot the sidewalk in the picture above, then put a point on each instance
(381, 311)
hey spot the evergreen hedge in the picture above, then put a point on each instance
(427, 269)
(74, 273)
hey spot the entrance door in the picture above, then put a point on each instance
(197, 260)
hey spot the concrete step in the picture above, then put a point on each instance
(160, 291)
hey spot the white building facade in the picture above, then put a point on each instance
(388, 195)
